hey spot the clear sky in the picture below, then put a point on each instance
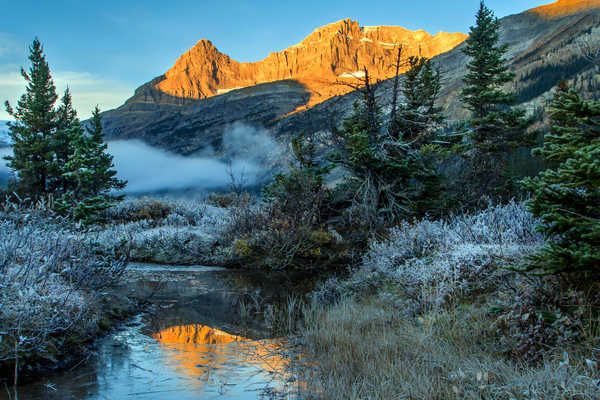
(104, 50)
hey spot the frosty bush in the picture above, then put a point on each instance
(161, 231)
(48, 282)
(433, 262)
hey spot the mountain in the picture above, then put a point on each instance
(189, 107)
(206, 82)
(335, 52)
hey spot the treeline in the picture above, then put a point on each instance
(55, 157)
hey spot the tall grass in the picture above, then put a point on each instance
(364, 350)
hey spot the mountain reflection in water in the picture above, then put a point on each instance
(179, 349)
(199, 350)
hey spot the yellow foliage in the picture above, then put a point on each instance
(242, 248)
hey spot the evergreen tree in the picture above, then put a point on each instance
(416, 119)
(565, 136)
(105, 176)
(35, 124)
(495, 126)
(566, 198)
(300, 193)
(61, 144)
(88, 172)
(388, 178)
(53, 153)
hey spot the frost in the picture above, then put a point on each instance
(430, 263)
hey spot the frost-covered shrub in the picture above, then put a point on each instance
(540, 313)
(186, 235)
(49, 280)
(430, 263)
(268, 236)
(131, 210)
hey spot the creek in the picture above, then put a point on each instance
(191, 343)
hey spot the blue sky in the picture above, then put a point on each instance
(104, 50)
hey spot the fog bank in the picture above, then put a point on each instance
(245, 151)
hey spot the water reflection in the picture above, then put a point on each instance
(190, 345)
(199, 350)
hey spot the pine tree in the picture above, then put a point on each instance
(496, 127)
(53, 153)
(61, 144)
(88, 172)
(387, 177)
(105, 176)
(416, 119)
(565, 135)
(35, 123)
(300, 193)
(566, 198)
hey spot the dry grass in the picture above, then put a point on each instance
(364, 350)
(419, 319)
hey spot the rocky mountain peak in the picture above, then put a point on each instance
(337, 51)
(343, 27)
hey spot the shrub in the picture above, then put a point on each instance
(49, 284)
(433, 263)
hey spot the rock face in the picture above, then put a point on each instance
(181, 111)
(335, 52)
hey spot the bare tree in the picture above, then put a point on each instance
(237, 182)
(396, 84)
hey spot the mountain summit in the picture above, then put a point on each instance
(332, 53)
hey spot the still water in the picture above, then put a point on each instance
(191, 344)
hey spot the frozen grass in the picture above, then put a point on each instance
(49, 283)
(364, 351)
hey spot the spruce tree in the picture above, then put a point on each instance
(61, 144)
(416, 119)
(300, 192)
(53, 153)
(105, 176)
(388, 179)
(565, 136)
(566, 198)
(495, 126)
(35, 124)
(89, 172)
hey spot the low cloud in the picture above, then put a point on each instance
(246, 152)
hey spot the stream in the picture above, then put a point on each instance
(191, 344)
